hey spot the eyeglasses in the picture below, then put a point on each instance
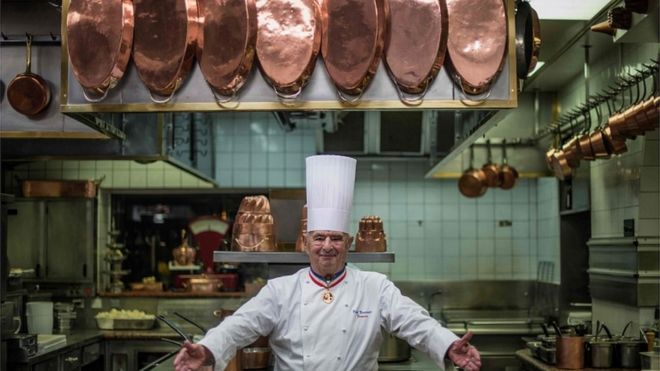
(335, 239)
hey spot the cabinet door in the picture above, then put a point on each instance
(26, 235)
(70, 239)
(51, 364)
(71, 361)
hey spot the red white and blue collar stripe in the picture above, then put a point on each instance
(327, 283)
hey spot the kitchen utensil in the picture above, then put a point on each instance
(536, 48)
(627, 352)
(99, 36)
(604, 27)
(524, 38)
(288, 42)
(184, 254)
(28, 93)
(556, 328)
(226, 45)
(477, 43)
(353, 35)
(164, 41)
(491, 170)
(650, 360)
(370, 236)
(570, 351)
(253, 228)
(39, 316)
(473, 181)
(60, 188)
(393, 349)
(416, 46)
(601, 353)
(619, 17)
(508, 174)
(302, 230)
(191, 322)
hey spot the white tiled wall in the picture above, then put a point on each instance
(436, 233)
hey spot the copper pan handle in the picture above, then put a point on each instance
(162, 101)
(290, 100)
(409, 99)
(95, 100)
(352, 101)
(474, 102)
(222, 100)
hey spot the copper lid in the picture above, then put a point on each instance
(353, 37)
(477, 42)
(226, 43)
(164, 42)
(99, 39)
(417, 42)
(288, 42)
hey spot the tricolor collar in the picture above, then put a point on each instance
(327, 281)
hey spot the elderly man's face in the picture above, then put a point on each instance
(327, 250)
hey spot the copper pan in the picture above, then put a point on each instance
(536, 48)
(601, 145)
(585, 147)
(560, 165)
(226, 45)
(618, 145)
(164, 44)
(415, 50)
(288, 42)
(491, 170)
(473, 181)
(572, 153)
(353, 38)
(476, 48)
(28, 93)
(617, 125)
(508, 174)
(99, 37)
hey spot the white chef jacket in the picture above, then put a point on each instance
(308, 334)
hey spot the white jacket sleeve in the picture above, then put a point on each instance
(412, 323)
(255, 318)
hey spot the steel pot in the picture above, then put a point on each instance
(255, 358)
(627, 351)
(602, 353)
(393, 349)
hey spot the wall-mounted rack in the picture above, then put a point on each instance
(41, 39)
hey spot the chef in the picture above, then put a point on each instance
(328, 316)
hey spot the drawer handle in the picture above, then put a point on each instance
(71, 359)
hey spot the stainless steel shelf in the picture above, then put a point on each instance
(295, 257)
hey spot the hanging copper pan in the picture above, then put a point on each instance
(164, 44)
(560, 165)
(473, 181)
(491, 170)
(28, 93)
(353, 35)
(99, 37)
(477, 43)
(416, 47)
(288, 42)
(226, 45)
(508, 174)
(536, 44)
(524, 38)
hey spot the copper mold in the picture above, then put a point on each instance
(164, 42)
(99, 37)
(288, 43)
(253, 228)
(416, 47)
(302, 230)
(226, 45)
(477, 43)
(353, 34)
(371, 236)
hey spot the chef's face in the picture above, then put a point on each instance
(327, 250)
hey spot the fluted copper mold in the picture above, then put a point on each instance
(99, 37)
(226, 44)
(417, 43)
(288, 43)
(253, 228)
(353, 36)
(371, 236)
(164, 44)
(302, 230)
(476, 48)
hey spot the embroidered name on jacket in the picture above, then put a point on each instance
(361, 313)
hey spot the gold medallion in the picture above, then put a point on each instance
(328, 297)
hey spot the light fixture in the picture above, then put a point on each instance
(567, 9)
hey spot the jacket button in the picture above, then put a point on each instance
(343, 330)
(307, 356)
(338, 357)
(305, 328)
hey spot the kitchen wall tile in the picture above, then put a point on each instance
(258, 178)
(415, 211)
(432, 193)
(241, 178)
(486, 229)
(275, 178)
(451, 248)
(649, 179)
(138, 179)
(381, 210)
(485, 247)
(649, 205)
(520, 228)
(451, 229)
(380, 193)
(396, 229)
(432, 212)
(258, 161)
(156, 178)
(468, 212)
(468, 230)
(503, 232)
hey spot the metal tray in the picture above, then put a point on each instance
(125, 324)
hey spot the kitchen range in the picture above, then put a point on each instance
(155, 177)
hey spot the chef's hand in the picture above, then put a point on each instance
(192, 357)
(464, 355)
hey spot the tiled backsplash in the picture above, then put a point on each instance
(436, 233)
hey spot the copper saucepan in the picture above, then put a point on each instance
(165, 37)
(99, 37)
(508, 174)
(288, 42)
(28, 93)
(491, 169)
(416, 46)
(473, 181)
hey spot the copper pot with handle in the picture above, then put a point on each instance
(28, 93)
(508, 174)
(491, 169)
(473, 181)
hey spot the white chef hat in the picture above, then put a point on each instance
(330, 181)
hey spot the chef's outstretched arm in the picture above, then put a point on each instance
(464, 355)
(192, 357)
